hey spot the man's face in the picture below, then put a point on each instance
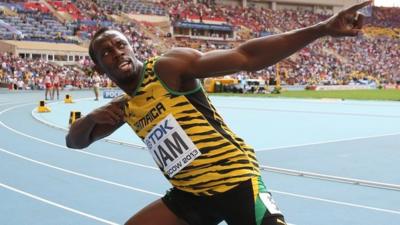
(115, 56)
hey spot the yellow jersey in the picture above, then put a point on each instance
(187, 138)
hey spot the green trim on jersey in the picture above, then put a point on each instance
(140, 79)
(260, 208)
(173, 91)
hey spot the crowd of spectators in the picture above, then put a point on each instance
(327, 61)
(386, 17)
(29, 74)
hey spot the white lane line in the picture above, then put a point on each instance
(345, 180)
(338, 202)
(159, 195)
(327, 142)
(63, 146)
(257, 150)
(267, 168)
(313, 112)
(330, 101)
(16, 106)
(6, 103)
(271, 169)
(349, 204)
(78, 151)
(57, 205)
(80, 174)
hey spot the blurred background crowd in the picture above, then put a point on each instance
(371, 57)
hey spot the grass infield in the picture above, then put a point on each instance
(390, 95)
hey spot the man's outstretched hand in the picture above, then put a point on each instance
(347, 22)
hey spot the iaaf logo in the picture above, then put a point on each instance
(157, 134)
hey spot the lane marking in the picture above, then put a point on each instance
(257, 150)
(313, 112)
(159, 195)
(57, 205)
(16, 106)
(345, 180)
(338, 202)
(327, 142)
(319, 176)
(143, 147)
(78, 151)
(6, 103)
(314, 101)
(80, 174)
(314, 198)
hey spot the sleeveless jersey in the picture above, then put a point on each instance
(187, 138)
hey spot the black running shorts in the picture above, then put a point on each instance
(247, 204)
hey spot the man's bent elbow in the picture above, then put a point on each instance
(73, 144)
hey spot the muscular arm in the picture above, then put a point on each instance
(257, 53)
(187, 64)
(96, 125)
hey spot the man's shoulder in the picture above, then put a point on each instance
(181, 52)
(120, 99)
(176, 58)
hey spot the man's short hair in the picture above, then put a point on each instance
(95, 36)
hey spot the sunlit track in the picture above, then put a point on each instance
(266, 168)
(80, 174)
(77, 151)
(258, 150)
(29, 195)
(15, 107)
(326, 142)
(366, 103)
(345, 180)
(312, 112)
(326, 177)
(97, 179)
(28, 135)
(263, 167)
(6, 103)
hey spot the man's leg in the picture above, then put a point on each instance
(58, 93)
(46, 93)
(155, 213)
(96, 93)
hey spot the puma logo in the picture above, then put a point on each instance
(150, 98)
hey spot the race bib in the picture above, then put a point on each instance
(170, 146)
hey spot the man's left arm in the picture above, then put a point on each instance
(259, 53)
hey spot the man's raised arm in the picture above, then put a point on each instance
(259, 53)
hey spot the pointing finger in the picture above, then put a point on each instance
(360, 21)
(356, 7)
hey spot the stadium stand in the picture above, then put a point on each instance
(196, 25)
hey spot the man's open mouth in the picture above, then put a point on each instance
(123, 65)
